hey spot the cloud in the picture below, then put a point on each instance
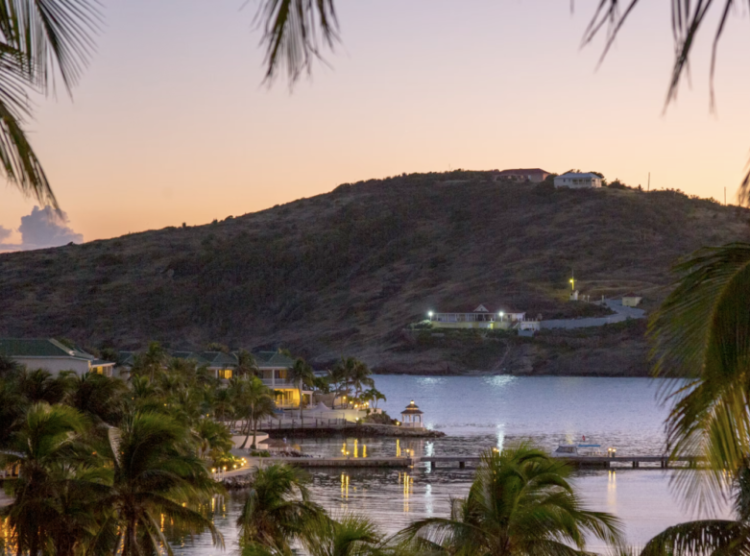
(42, 228)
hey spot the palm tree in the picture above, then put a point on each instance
(98, 396)
(301, 374)
(709, 536)
(350, 536)
(253, 401)
(214, 439)
(246, 363)
(150, 363)
(702, 332)
(156, 473)
(278, 510)
(40, 386)
(223, 403)
(520, 503)
(48, 441)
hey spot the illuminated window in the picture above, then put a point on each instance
(225, 373)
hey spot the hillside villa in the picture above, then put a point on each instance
(534, 175)
(574, 180)
(482, 318)
(53, 356)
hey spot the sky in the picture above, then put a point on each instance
(171, 122)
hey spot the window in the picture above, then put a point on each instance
(225, 373)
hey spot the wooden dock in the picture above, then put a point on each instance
(348, 462)
(591, 462)
(605, 462)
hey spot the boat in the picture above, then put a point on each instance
(566, 450)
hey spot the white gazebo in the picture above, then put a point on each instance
(412, 416)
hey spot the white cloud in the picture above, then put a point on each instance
(42, 228)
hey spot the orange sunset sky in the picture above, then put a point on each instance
(171, 123)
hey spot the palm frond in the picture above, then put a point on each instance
(293, 31)
(52, 35)
(702, 331)
(700, 538)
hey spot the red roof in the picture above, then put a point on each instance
(522, 171)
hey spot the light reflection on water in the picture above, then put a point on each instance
(479, 413)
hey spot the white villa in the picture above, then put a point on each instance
(53, 356)
(575, 180)
(482, 317)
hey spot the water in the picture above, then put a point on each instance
(482, 412)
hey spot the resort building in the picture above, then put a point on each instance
(412, 416)
(631, 300)
(480, 317)
(53, 356)
(273, 371)
(534, 175)
(574, 180)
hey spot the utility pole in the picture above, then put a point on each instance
(725, 195)
(649, 182)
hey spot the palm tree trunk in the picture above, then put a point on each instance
(301, 418)
(255, 433)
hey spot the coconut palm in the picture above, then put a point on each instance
(100, 397)
(277, 511)
(702, 332)
(46, 443)
(350, 536)
(246, 363)
(223, 403)
(40, 386)
(520, 503)
(301, 374)
(156, 473)
(214, 439)
(253, 401)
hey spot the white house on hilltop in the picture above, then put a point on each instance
(574, 180)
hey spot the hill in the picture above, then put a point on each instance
(345, 272)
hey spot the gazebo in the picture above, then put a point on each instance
(412, 416)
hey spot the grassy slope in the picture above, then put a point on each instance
(344, 272)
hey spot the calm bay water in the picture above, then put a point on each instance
(482, 412)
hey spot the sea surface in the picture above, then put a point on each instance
(478, 413)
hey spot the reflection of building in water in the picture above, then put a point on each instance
(611, 489)
(408, 483)
(345, 486)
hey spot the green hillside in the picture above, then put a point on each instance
(345, 272)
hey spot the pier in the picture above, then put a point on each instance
(461, 462)
(606, 462)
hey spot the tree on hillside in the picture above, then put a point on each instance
(520, 503)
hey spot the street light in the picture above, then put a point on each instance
(429, 314)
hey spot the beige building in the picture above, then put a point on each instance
(52, 356)
(631, 300)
